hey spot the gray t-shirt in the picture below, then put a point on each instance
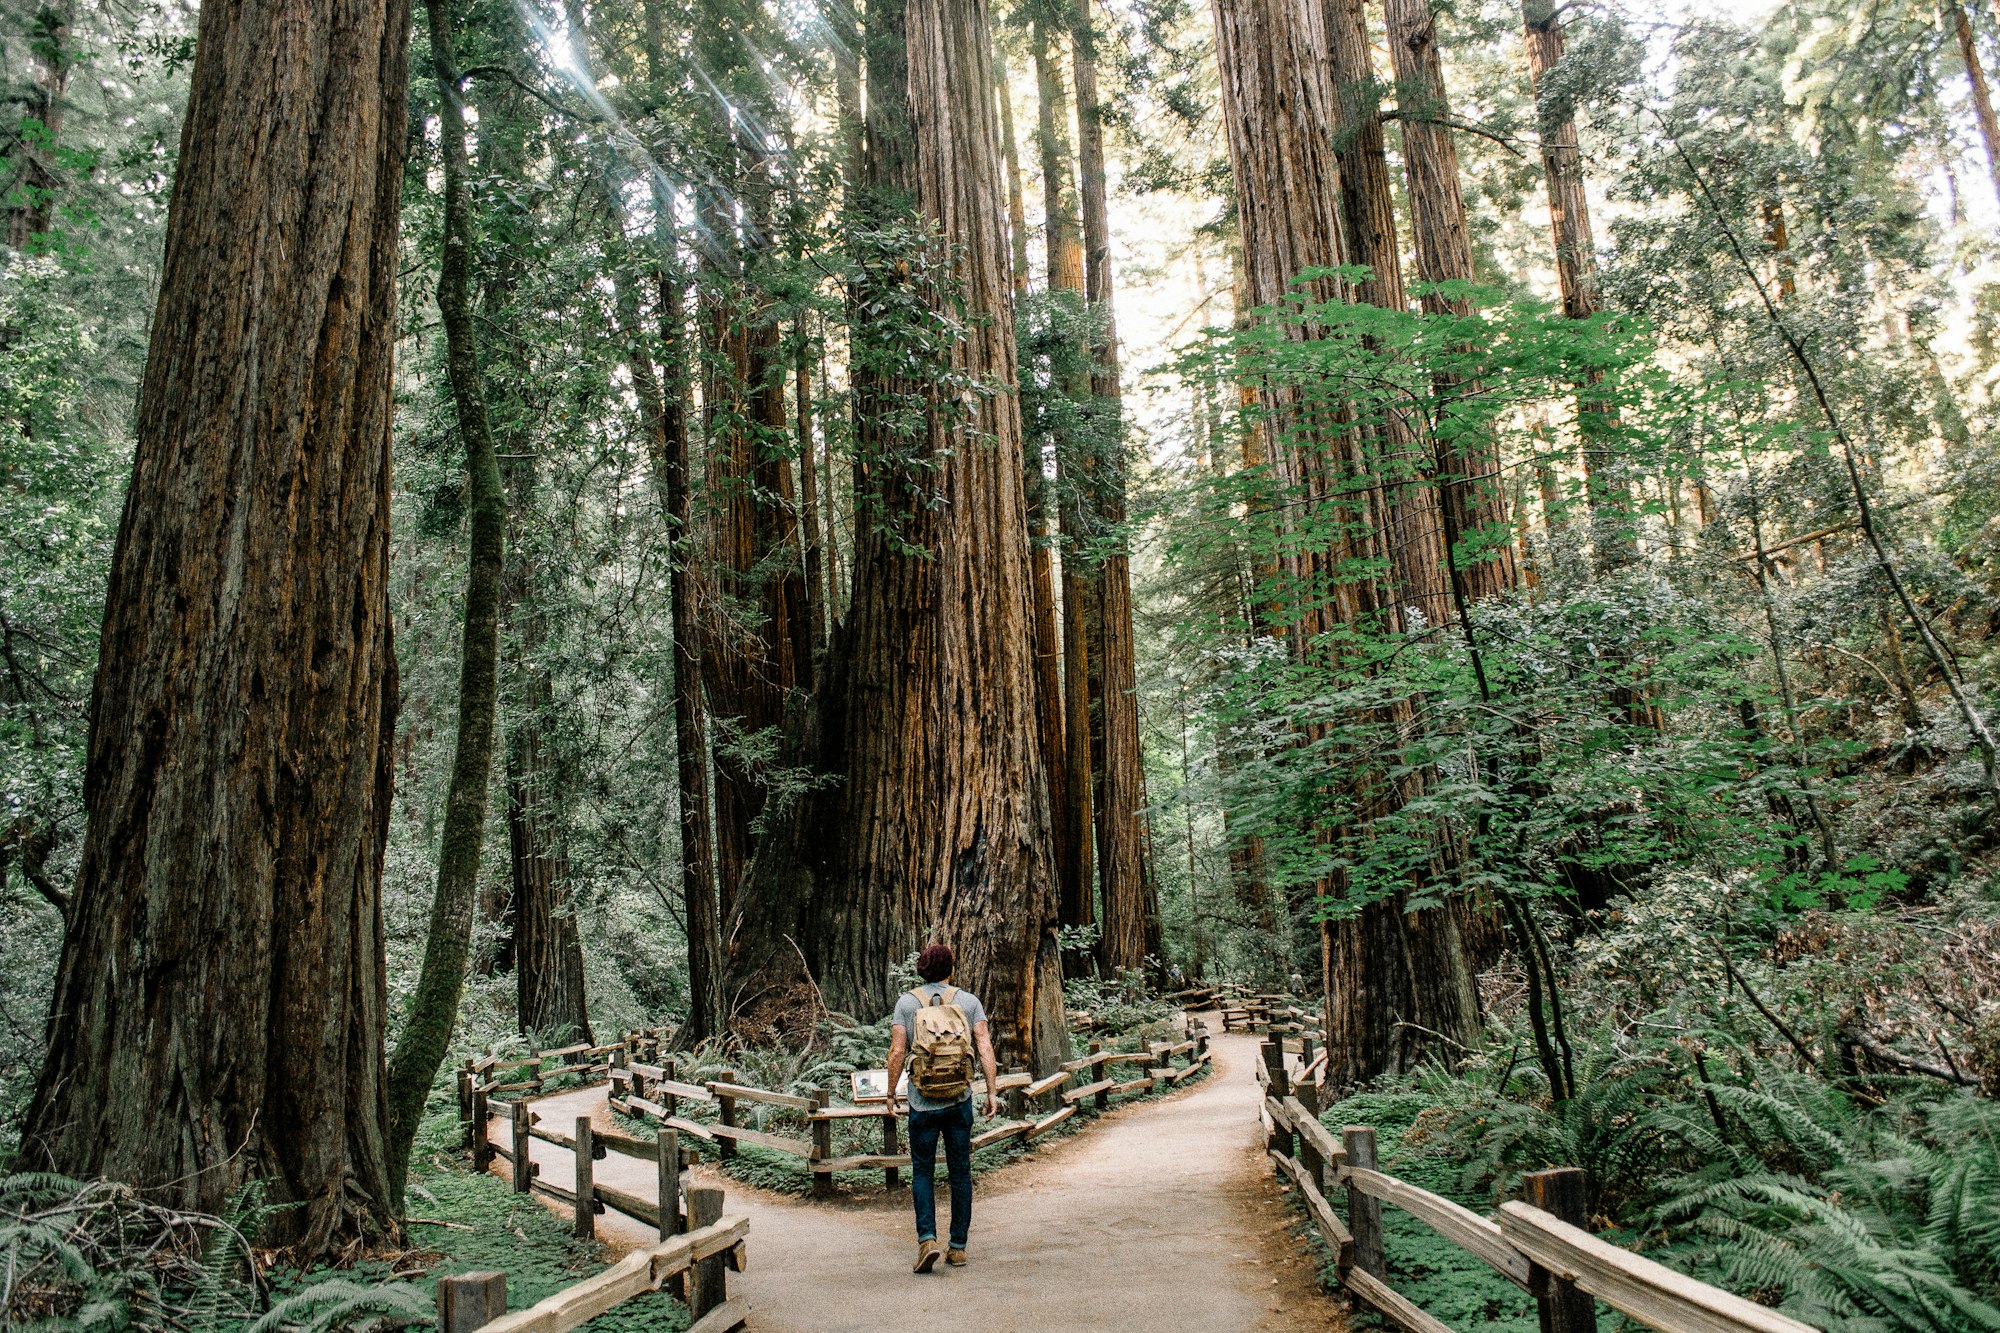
(905, 1017)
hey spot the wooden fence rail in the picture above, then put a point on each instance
(695, 1261)
(1540, 1245)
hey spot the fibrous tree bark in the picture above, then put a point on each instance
(939, 823)
(760, 647)
(1409, 504)
(220, 1010)
(1072, 783)
(1473, 506)
(662, 379)
(1131, 919)
(1607, 483)
(1393, 972)
(1010, 147)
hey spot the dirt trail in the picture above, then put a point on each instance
(1163, 1216)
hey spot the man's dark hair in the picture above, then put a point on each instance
(934, 963)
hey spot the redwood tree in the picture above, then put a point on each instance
(219, 1011)
(1474, 510)
(1390, 968)
(1607, 487)
(1131, 919)
(939, 823)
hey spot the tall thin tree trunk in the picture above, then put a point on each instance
(1061, 232)
(548, 949)
(220, 1007)
(36, 182)
(433, 1008)
(1010, 148)
(673, 473)
(1469, 469)
(1076, 868)
(1369, 214)
(1131, 930)
(1982, 96)
(759, 649)
(819, 595)
(1607, 480)
(940, 827)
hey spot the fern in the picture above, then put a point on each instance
(336, 1303)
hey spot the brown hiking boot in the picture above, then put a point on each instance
(955, 1257)
(927, 1256)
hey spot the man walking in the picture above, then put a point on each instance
(938, 1029)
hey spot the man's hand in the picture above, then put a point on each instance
(992, 1108)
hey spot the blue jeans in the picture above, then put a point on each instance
(955, 1124)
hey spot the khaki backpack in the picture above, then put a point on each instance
(940, 1048)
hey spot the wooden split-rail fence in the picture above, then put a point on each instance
(697, 1244)
(1033, 1106)
(1540, 1243)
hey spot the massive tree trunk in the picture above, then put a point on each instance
(1071, 788)
(939, 824)
(433, 1010)
(1607, 482)
(1131, 900)
(1474, 510)
(220, 1007)
(1277, 95)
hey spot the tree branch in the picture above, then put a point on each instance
(1463, 127)
(1875, 1050)
(32, 846)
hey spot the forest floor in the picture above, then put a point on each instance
(1164, 1215)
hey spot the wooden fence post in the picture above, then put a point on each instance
(667, 1099)
(467, 1301)
(725, 1114)
(822, 1147)
(465, 1100)
(708, 1287)
(1017, 1102)
(892, 1144)
(1309, 1157)
(1274, 1065)
(586, 1188)
(523, 1163)
(482, 1151)
(1364, 1215)
(1564, 1307)
(1103, 1099)
(668, 1154)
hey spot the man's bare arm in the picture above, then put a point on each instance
(982, 1037)
(899, 1050)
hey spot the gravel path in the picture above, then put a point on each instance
(1161, 1218)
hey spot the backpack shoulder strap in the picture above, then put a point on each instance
(948, 995)
(918, 996)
